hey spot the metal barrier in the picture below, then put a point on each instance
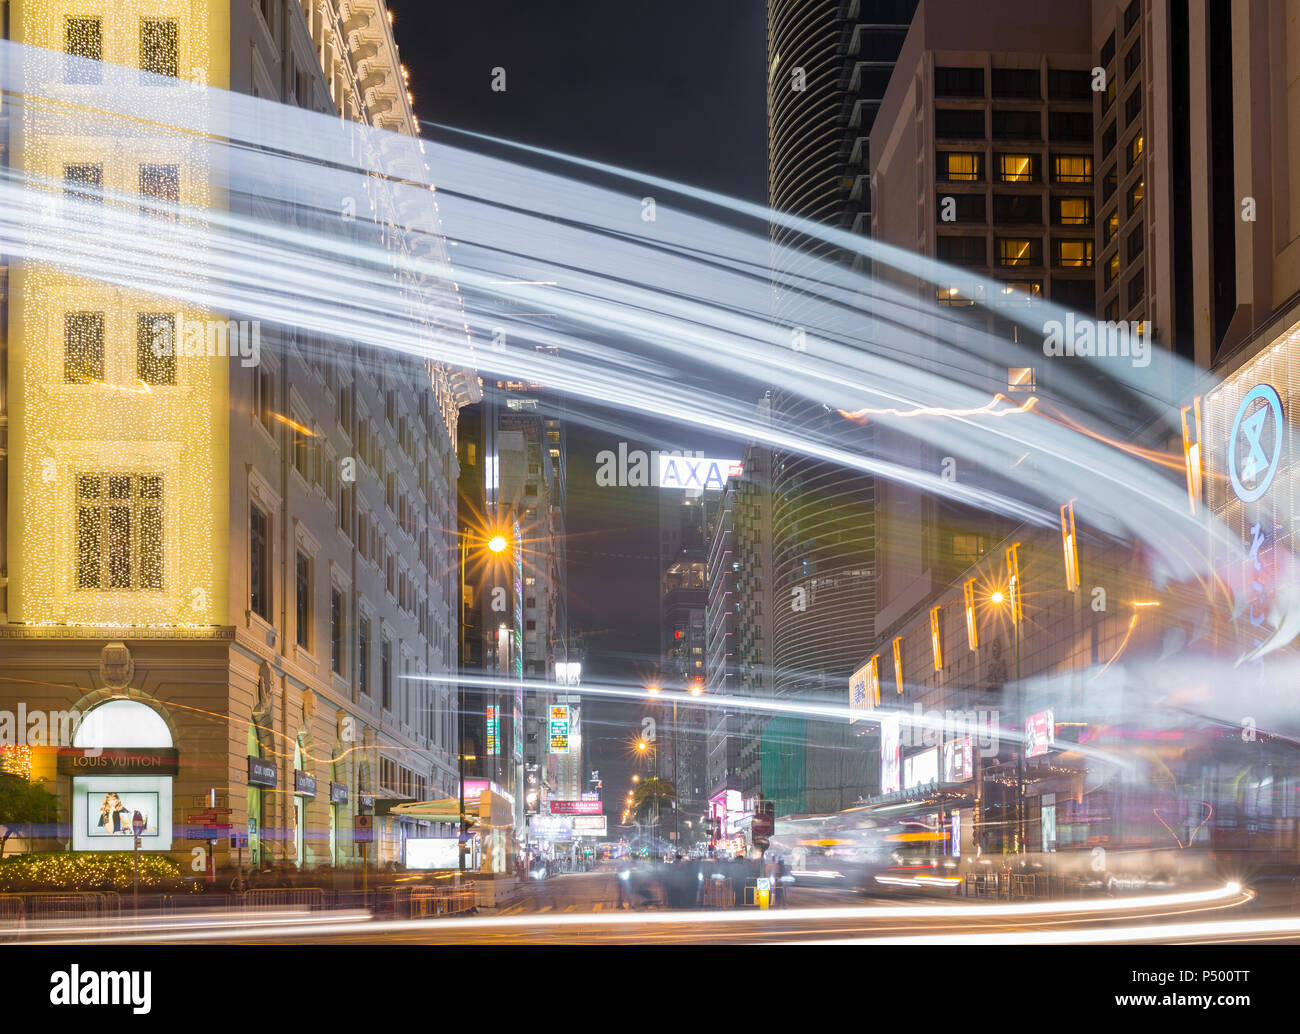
(719, 894)
(282, 897)
(439, 901)
(1023, 886)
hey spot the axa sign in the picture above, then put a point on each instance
(696, 472)
(1255, 445)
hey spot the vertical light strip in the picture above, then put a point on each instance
(898, 663)
(1013, 571)
(875, 680)
(972, 632)
(936, 643)
(1192, 452)
(1069, 546)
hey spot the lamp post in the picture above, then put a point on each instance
(1013, 597)
(496, 544)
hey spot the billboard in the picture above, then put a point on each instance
(577, 808)
(103, 805)
(109, 814)
(493, 731)
(920, 769)
(432, 853)
(860, 695)
(891, 745)
(589, 826)
(559, 728)
(959, 760)
(1040, 733)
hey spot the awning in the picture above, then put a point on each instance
(446, 809)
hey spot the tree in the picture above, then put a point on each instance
(650, 796)
(24, 805)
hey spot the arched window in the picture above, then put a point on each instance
(122, 723)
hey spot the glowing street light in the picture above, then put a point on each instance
(997, 596)
(497, 543)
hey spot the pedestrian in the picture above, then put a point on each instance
(783, 879)
(624, 881)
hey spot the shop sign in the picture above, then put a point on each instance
(338, 793)
(304, 783)
(118, 760)
(262, 773)
(1255, 444)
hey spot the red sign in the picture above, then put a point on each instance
(1040, 733)
(577, 808)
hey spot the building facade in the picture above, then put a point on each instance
(243, 558)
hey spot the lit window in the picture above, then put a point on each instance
(83, 347)
(1018, 251)
(1074, 253)
(1072, 168)
(1074, 211)
(1134, 150)
(83, 38)
(160, 47)
(1016, 168)
(155, 347)
(119, 531)
(1021, 378)
(963, 166)
(1112, 226)
(1135, 196)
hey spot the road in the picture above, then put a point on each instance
(580, 909)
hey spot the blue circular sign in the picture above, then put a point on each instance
(1252, 468)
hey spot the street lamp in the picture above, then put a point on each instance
(997, 597)
(497, 543)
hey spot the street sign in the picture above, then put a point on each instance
(363, 829)
(210, 815)
(137, 823)
(239, 840)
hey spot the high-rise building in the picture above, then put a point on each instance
(829, 63)
(228, 567)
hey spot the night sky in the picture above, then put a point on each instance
(674, 89)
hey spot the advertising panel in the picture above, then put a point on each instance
(576, 808)
(1040, 733)
(920, 769)
(493, 731)
(559, 729)
(102, 808)
(696, 471)
(589, 825)
(860, 696)
(432, 853)
(959, 760)
(891, 745)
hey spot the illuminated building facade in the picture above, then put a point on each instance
(255, 553)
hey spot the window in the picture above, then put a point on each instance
(965, 208)
(259, 554)
(1009, 209)
(1072, 211)
(1132, 59)
(386, 674)
(1017, 125)
(1020, 292)
(83, 347)
(1136, 290)
(155, 347)
(1074, 254)
(1135, 195)
(530, 625)
(1134, 150)
(1112, 309)
(1135, 243)
(961, 166)
(119, 531)
(1112, 269)
(1079, 295)
(1070, 126)
(1020, 251)
(1069, 84)
(959, 124)
(160, 47)
(1108, 184)
(1131, 15)
(1017, 168)
(1133, 106)
(363, 655)
(959, 82)
(83, 38)
(301, 459)
(1072, 168)
(336, 631)
(160, 184)
(1016, 82)
(83, 187)
(1108, 98)
(1108, 50)
(1111, 226)
(302, 599)
(949, 294)
(264, 398)
(1109, 137)
(1021, 378)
